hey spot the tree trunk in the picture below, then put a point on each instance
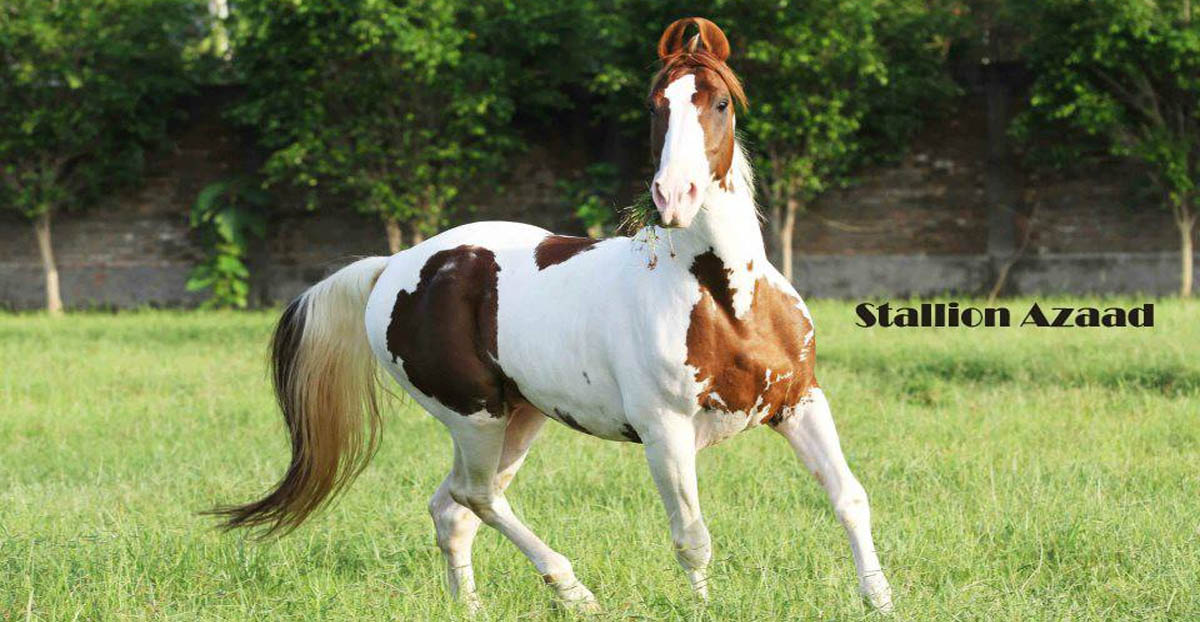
(773, 186)
(1006, 267)
(1186, 221)
(219, 10)
(395, 236)
(786, 236)
(415, 232)
(41, 228)
(774, 222)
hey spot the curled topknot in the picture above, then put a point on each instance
(708, 48)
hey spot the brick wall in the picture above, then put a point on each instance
(137, 249)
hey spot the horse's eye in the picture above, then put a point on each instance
(722, 105)
(650, 109)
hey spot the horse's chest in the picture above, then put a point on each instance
(755, 365)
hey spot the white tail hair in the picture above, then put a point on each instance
(325, 380)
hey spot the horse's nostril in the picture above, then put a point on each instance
(659, 198)
(692, 191)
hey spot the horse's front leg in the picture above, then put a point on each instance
(671, 453)
(811, 433)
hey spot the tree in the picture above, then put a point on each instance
(818, 75)
(1125, 76)
(395, 106)
(86, 87)
(834, 84)
(914, 38)
(807, 70)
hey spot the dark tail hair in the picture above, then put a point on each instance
(326, 385)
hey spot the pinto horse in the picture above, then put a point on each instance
(493, 327)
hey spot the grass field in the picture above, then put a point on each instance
(1014, 474)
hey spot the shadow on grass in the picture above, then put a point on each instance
(919, 379)
(1170, 380)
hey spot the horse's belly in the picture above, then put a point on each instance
(595, 418)
(572, 386)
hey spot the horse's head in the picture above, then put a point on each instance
(691, 107)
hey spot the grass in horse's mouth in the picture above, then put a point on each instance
(638, 215)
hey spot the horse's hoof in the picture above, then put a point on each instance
(699, 581)
(579, 599)
(586, 607)
(879, 597)
(472, 603)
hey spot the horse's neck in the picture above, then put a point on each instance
(727, 228)
(727, 224)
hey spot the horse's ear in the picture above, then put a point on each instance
(709, 38)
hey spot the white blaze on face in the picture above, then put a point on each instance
(683, 171)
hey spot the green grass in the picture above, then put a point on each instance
(1015, 474)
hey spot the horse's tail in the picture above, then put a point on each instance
(326, 384)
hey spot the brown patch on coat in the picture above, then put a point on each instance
(443, 333)
(733, 356)
(555, 249)
(717, 90)
(717, 124)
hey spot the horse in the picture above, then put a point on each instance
(494, 327)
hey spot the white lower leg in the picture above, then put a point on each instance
(812, 434)
(693, 550)
(671, 454)
(853, 511)
(555, 569)
(456, 527)
(486, 462)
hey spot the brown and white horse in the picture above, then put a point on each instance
(494, 326)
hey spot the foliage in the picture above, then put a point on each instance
(623, 35)
(396, 107)
(832, 83)
(1123, 77)
(1126, 73)
(543, 48)
(592, 193)
(914, 38)
(808, 70)
(828, 80)
(226, 213)
(86, 87)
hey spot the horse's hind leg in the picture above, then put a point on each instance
(811, 433)
(457, 525)
(487, 453)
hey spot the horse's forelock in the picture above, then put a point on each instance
(683, 62)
